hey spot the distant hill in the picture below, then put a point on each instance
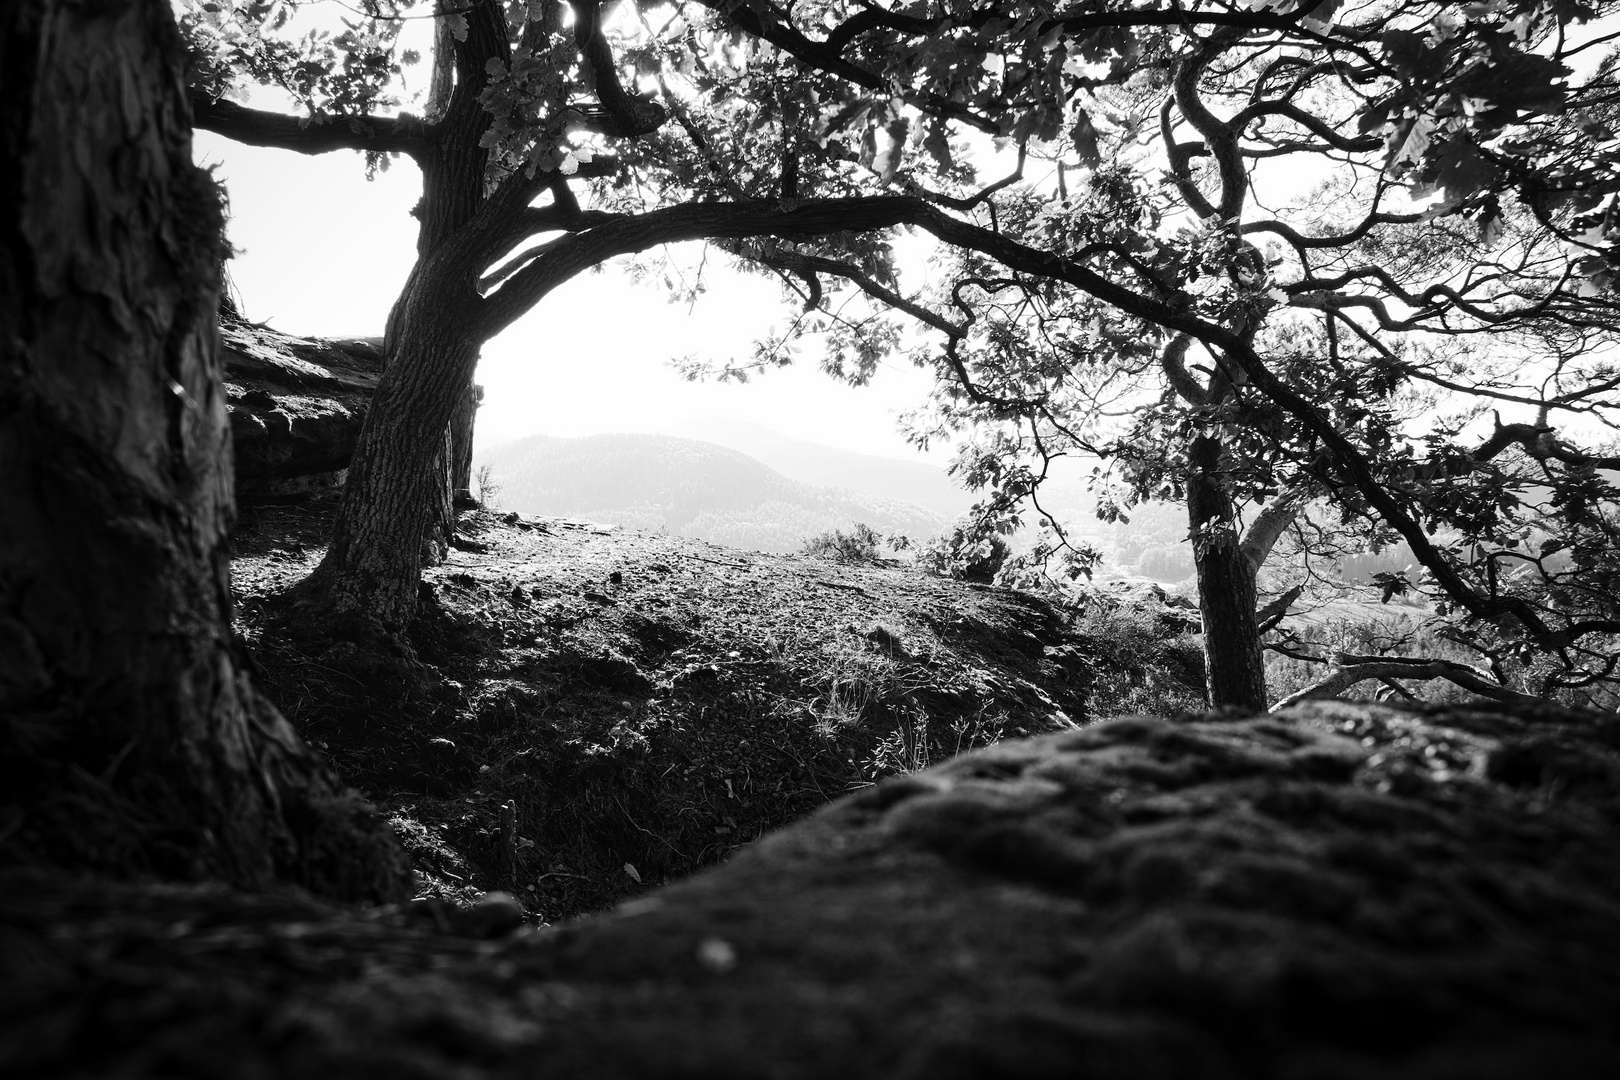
(687, 487)
(821, 465)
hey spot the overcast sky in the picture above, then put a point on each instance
(322, 251)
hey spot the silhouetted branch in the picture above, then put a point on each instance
(308, 135)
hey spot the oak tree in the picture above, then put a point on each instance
(542, 99)
(1261, 258)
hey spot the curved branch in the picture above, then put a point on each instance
(1173, 361)
(1267, 618)
(1538, 441)
(968, 202)
(631, 116)
(1360, 669)
(818, 55)
(873, 18)
(1300, 240)
(541, 219)
(1262, 534)
(1180, 156)
(807, 266)
(1315, 125)
(629, 233)
(308, 135)
(1221, 137)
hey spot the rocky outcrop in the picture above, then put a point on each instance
(296, 406)
(1335, 891)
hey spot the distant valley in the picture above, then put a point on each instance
(699, 489)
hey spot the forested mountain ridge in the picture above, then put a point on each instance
(686, 486)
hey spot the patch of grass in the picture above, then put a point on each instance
(1148, 663)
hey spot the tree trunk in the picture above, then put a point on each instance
(132, 739)
(461, 443)
(397, 495)
(397, 512)
(1234, 666)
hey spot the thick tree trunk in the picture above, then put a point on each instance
(131, 738)
(1235, 672)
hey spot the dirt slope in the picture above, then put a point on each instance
(604, 710)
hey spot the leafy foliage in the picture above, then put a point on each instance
(860, 543)
(1165, 281)
(965, 554)
(1418, 348)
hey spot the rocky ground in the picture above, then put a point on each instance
(1338, 891)
(601, 711)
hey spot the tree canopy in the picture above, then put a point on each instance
(1271, 260)
(1290, 258)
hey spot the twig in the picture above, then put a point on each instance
(842, 585)
(719, 562)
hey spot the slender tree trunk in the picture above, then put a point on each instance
(397, 512)
(457, 468)
(1234, 666)
(132, 739)
(397, 497)
(461, 443)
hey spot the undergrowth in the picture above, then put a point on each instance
(1148, 660)
(600, 713)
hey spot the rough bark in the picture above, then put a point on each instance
(396, 499)
(1233, 661)
(462, 425)
(1350, 670)
(397, 510)
(132, 737)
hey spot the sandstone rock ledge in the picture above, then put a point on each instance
(1337, 891)
(296, 406)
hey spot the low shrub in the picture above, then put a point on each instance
(861, 544)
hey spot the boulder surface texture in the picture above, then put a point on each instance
(1339, 890)
(296, 406)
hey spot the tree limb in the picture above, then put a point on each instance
(764, 23)
(1360, 669)
(1173, 361)
(1262, 534)
(1315, 125)
(628, 233)
(1274, 612)
(796, 262)
(1539, 442)
(631, 116)
(308, 135)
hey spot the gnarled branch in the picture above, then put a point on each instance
(1353, 670)
(308, 135)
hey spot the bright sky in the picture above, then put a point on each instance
(324, 252)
